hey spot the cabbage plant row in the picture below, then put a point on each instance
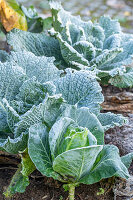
(50, 98)
(101, 46)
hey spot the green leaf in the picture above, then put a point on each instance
(105, 57)
(124, 58)
(69, 54)
(127, 159)
(84, 118)
(76, 137)
(60, 16)
(75, 163)
(38, 147)
(27, 165)
(107, 164)
(47, 23)
(33, 92)
(123, 81)
(18, 184)
(85, 48)
(87, 119)
(65, 134)
(96, 45)
(56, 137)
(14, 146)
(113, 41)
(81, 88)
(35, 23)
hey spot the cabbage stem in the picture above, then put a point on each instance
(71, 192)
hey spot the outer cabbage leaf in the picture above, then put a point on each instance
(11, 78)
(75, 163)
(107, 164)
(18, 184)
(27, 165)
(4, 56)
(81, 88)
(69, 54)
(39, 151)
(42, 68)
(46, 112)
(3, 118)
(8, 142)
(105, 57)
(123, 81)
(110, 120)
(14, 146)
(39, 44)
(12, 117)
(33, 92)
(35, 23)
(127, 159)
(110, 26)
(20, 179)
(125, 56)
(61, 17)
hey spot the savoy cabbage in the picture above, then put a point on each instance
(100, 46)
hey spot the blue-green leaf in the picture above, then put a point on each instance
(11, 78)
(42, 68)
(75, 163)
(14, 146)
(107, 164)
(127, 159)
(46, 112)
(39, 44)
(81, 88)
(110, 120)
(110, 26)
(39, 150)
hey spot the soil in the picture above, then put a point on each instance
(45, 189)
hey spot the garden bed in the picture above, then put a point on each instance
(50, 108)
